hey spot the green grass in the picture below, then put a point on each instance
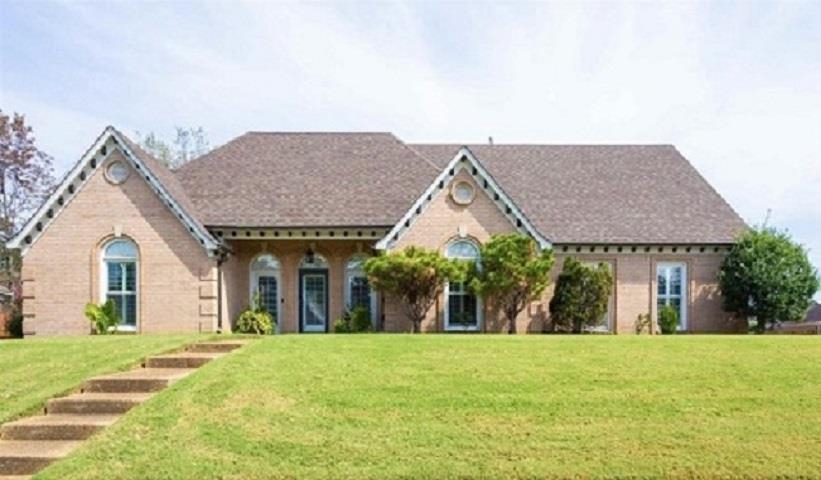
(34, 370)
(443, 406)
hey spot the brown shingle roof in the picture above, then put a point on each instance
(605, 193)
(572, 194)
(306, 179)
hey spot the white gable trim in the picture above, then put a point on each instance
(74, 181)
(464, 160)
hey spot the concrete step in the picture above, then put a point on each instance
(226, 346)
(96, 403)
(142, 380)
(181, 360)
(18, 459)
(56, 427)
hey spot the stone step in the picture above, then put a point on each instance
(96, 403)
(181, 360)
(215, 346)
(56, 427)
(142, 380)
(19, 459)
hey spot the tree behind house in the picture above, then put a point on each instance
(581, 295)
(27, 173)
(26, 180)
(513, 272)
(416, 276)
(767, 276)
(188, 144)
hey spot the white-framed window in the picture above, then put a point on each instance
(671, 279)
(266, 281)
(358, 292)
(119, 270)
(606, 323)
(463, 309)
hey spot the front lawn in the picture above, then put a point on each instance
(33, 370)
(448, 406)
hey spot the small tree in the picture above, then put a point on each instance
(513, 272)
(581, 296)
(768, 276)
(416, 276)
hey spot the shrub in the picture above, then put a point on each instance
(668, 319)
(255, 319)
(356, 320)
(15, 326)
(104, 317)
(644, 324)
(581, 295)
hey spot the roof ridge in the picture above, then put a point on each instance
(457, 145)
(317, 132)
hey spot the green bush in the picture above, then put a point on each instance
(668, 320)
(255, 319)
(15, 325)
(103, 317)
(581, 296)
(356, 320)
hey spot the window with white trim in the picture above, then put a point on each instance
(671, 279)
(265, 281)
(120, 280)
(463, 308)
(357, 288)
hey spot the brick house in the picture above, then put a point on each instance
(291, 216)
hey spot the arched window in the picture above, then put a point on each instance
(265, 281)
(463, 309)
(120, 259)
(358, 291)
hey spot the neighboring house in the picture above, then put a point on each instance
(292, 216)
(814, 313)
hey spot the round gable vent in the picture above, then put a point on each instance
(117, 172)
(462, 192)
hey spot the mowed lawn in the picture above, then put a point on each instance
(458, 406)
(36, 369)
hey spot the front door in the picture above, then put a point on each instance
(313, 300)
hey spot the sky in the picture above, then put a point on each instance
(736, 87)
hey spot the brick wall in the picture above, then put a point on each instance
(61, 271)
(634, 272)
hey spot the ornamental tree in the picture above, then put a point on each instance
(416, 276)
(768, 276)
(27, 173)
(513, 272)
(581, 296)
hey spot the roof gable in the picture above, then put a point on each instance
(464, 160)
(160, 180)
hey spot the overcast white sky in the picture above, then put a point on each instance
(735, 86)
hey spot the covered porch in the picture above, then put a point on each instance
(305, 283)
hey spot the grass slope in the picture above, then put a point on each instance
(34, 370)
(448, 406)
